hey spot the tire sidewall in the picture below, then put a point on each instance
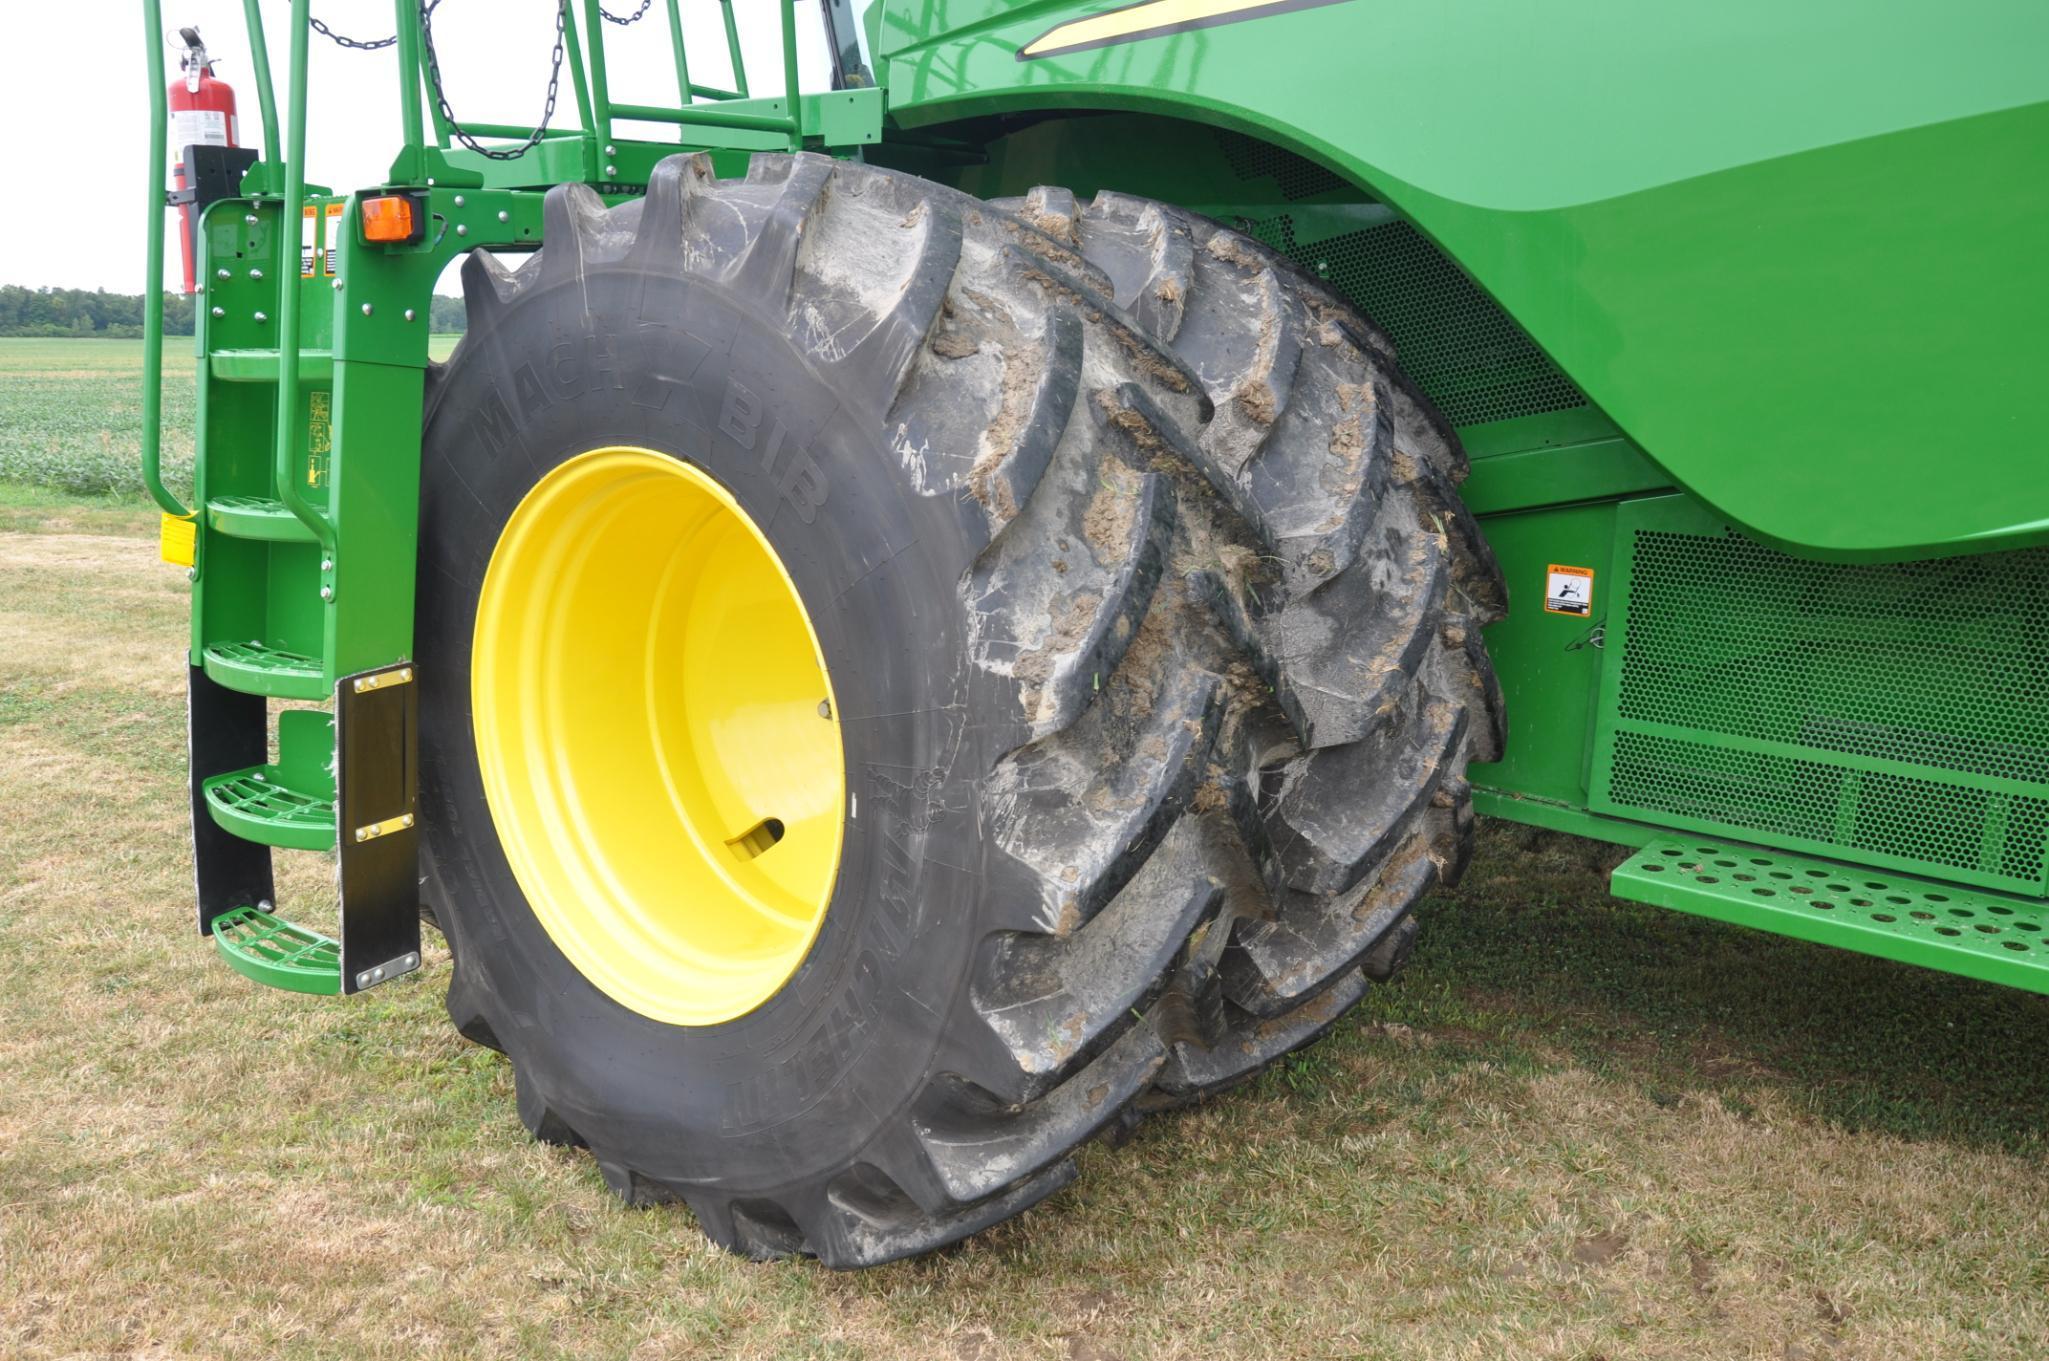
(680, 366)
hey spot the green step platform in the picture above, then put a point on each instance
(275, 952)
(256, 669)
(1991, 936)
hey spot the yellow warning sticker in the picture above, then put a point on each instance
(319, 436)
(332, 254)
(309, 240)
(177, 537)
(1568, 590)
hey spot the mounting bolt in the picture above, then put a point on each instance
(223, 273)
(504, 216)
(220, 311)
(459, 200)
(462, 229)
(254, 273)
(430, 181)
(611, 151)
(611, 171)
(249, 218)
(409, 314)
(327, 564)
(191, 574)
(337, 285)
(327, 592)
(261, 318)
(366, 309)
(825, 708)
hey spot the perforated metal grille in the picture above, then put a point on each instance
(1452, 339)
(1297, 176)
(1942, 663)
(1901, 710)
(1924, 822)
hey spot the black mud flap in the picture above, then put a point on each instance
(225, 732)
(377, 791)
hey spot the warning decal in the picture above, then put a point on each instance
(309, 239)
(334, 222)
(319, 436)
(1568, 590)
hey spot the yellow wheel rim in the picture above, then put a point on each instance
(658, 736)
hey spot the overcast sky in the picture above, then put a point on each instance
(74, 99)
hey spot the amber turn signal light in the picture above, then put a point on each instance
(390, 220)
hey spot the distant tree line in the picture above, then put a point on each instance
(79, 312)
(96, 312)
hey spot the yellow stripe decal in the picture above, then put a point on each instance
(1154, 19)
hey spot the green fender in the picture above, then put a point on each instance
(1798, 252)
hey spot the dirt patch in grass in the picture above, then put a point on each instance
(1574, 1128)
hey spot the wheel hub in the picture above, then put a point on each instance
(657, 735)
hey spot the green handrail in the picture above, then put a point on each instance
(601, 85)
(573, 53)
(283, 468)
(683, 91)
(790, 70)
(710, 117)
(733, 49)
(790, 53)
(259, 65)
(409, 111)
(153, 289)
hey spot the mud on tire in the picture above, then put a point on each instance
(1154, 617)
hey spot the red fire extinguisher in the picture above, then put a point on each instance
(202, 114)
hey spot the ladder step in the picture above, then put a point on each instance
(276, 953)
(256, 517)
(260, 804)
(316, 367)
(259, 670)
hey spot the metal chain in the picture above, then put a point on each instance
(460, 133)
(356, 43)
(632, 18)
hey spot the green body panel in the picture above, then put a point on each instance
(1793, 253)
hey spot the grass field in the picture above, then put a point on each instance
(1574, 1128)
(71, 413)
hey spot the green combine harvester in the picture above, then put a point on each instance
(931, 618)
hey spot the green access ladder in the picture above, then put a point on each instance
(313, 349)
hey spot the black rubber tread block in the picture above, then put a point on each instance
(1334, 813)
(1248, 1047)
(1276, 965)
(1339, 658)
(1086, 806)
(980, 1147)
(1058, 600)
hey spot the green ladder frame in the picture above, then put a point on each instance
(313, 350)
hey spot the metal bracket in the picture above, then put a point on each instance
(385, 972)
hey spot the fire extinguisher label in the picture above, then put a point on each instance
(198, 127)
(334, 224)
(309, 240)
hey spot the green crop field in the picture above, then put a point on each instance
(71, 414)
(1574, 1128)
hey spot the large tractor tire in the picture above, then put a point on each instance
(911, 683)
